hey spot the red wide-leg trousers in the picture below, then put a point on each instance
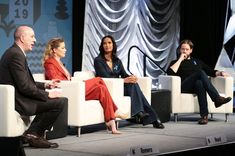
(97, 90)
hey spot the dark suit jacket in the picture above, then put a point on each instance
(14, 71)
(103, 70)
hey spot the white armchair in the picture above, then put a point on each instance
(11, 123)
(188, 103)
(117, 84)
(116, 89)
(145, 84)
(83, 112)
(87, 112)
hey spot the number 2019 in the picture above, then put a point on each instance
(24, 2)
(24, 13)
(21, 13)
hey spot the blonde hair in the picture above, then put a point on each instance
(51, 44)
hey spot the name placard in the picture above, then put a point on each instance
(143, 150)
(216, 139)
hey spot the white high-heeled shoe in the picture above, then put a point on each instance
(119, 114)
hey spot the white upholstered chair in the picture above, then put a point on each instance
(114, 85)
(188, 103)
(83, 112)
(11, 124)
(116, 89)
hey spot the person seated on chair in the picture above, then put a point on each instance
(30, 96)
(108, 65)
(194, 78)
(95, 87)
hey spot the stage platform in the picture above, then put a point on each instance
(182, 138)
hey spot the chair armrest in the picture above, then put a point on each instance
(145, 84)
(11, 123)
(75, 92)
(116, 88)
(83, 75)
(223, 85)
(172, 83)
(39, 77)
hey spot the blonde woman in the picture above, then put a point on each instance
(95, 87)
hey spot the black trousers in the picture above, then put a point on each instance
(199, 84)
(46, 114)
(139, 102)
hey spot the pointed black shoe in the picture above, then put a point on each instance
(140, 116)
(158, 124)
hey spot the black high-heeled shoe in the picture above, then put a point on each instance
(140, 116)
(158, 124)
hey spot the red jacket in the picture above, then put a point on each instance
(53, 70)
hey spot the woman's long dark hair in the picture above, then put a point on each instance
(101, 48)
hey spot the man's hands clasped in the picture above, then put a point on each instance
(53, 88)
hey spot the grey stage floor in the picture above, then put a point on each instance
(180, 137)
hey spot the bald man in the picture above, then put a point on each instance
(30, 96)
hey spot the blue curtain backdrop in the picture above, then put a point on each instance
(49, 18)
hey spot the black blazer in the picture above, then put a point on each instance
(14, 71)
(103, 70)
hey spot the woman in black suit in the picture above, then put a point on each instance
(108, 65)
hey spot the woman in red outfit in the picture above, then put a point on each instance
(95, 88)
